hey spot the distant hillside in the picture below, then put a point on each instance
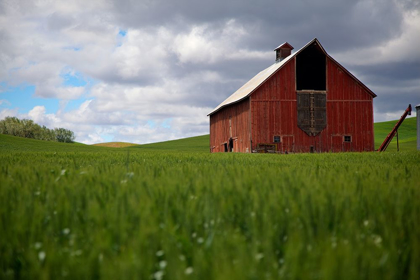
(192, 144)
(8, 142)
(407, 134)
(115, 144)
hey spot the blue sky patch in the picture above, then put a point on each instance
(74, 79)
(22, 97)
(76, 49)
(166, 123)
(107, 137)
(122, 33)
(74, 104)
(151, 123)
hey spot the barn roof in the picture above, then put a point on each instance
(249, 87)
(284, 45)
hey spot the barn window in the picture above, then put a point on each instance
(311, 69)
(230, 145)
(276, 139)
(347, 138)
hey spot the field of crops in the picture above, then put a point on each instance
(74, 211)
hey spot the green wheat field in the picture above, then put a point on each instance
(172, 210)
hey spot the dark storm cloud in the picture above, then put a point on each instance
(393, 74)
(396, 84)
(58, 21)
(396, 100)
(339, 24)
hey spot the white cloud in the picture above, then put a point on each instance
(93, 139)
(59, 92)
(143, 54)
(204, 44)
(8, 113)
(38, 114)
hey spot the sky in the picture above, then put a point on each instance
(151, 70)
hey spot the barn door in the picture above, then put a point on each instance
(287, 144)
(312, 111)
(336, 143)
(347, 143)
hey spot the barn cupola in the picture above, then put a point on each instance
(283, 51)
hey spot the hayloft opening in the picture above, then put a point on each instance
(311, 69)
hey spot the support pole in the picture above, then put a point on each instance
(391, 135)
(398, 143)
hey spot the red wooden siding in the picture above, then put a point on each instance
(273, 109)
(220, 130)
(349, 110)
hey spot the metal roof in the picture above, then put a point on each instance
(249, 87)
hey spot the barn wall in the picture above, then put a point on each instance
(240, 126)
(349, 112)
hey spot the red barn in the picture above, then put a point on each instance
(304, 102)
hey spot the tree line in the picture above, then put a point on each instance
(29, 129)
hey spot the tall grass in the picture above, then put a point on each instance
(98, 214)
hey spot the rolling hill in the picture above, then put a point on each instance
(407, 134)
(8, 142)
(191, 144)
(115, 144)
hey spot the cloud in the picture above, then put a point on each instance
(38, 114)
(209, 44)
(401, 48)
(142, 56)
(4, 102)
(8, 113)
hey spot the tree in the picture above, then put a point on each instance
(29, 129)
(47, 134)
(64, 135)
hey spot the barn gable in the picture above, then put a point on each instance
(249, 87)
